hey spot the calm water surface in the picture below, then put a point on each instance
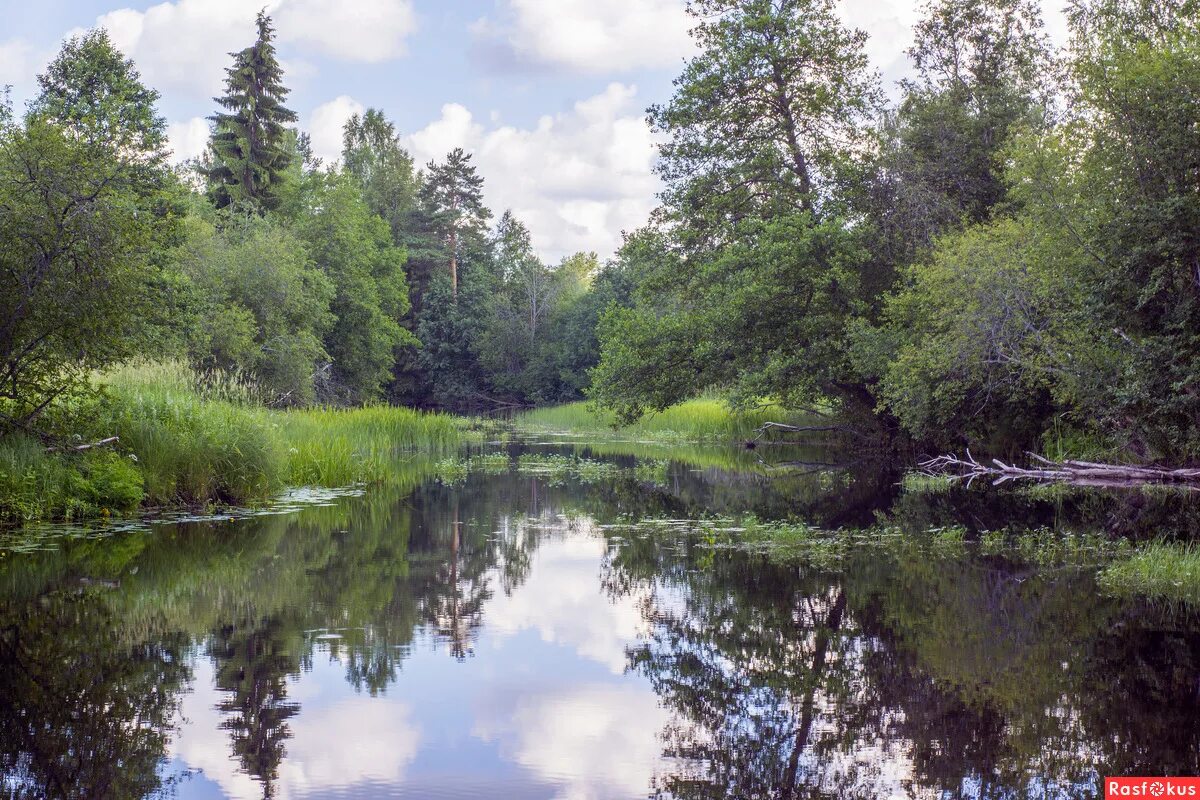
(510, 632)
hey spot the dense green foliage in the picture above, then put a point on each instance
(755, 269)
(1007, 255)
(85, 216)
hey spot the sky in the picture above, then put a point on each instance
(550, 95)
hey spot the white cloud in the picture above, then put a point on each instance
(326, 123)
(19, 62)
(354, 30)
(182, 45)
(596, 740)
(595, 628)
(626, 35)
(188, 139)
(455, 128)
(577, 178)
(337, 741)
(585, 35)
(185, 44)
(888, 24)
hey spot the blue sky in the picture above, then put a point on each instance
(549, 94)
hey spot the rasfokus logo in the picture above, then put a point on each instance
(1151, 787)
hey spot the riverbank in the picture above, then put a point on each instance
(185, 442)
(701, 420)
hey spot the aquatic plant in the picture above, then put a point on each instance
(1162, 570)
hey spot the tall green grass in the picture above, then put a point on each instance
(335, 447)
(193, 444)
(190, 440)
(701, 420)
(1162, 570)
(35, 484)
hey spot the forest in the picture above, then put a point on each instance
(1005, 254)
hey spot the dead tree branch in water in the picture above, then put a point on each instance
(769, 427)
(1079, 473)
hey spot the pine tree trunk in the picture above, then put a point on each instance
(454, 264)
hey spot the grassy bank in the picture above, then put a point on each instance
(187, 442)
(702, 420)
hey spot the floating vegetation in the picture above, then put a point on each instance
(1161, 570)
(920, 483)
(48, 536)
(651, 471)
(451, 471)
(1170, 571)
(558, 467)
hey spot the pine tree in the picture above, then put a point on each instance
(249, 147)
(452, 200)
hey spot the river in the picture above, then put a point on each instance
(554, 621)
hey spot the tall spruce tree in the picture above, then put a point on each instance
(249, 147)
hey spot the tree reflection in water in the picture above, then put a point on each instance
(897, 675)
(894, 670)
(84, 713)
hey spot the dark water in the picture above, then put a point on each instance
(510, 634)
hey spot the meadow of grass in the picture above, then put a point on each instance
(188, 441)
(701, 420)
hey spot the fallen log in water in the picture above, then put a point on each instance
(1082, 473)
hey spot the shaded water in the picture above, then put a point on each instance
(513, 631)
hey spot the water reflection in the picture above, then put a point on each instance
(503, 637)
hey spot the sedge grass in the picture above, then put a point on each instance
(189, 440)
(1160, 570)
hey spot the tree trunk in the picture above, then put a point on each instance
(454, 264)
(833, 624)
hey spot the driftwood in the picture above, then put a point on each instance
(1081, 473)
(101, 443)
